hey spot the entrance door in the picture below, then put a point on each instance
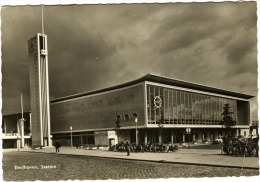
(179, 137)
(132, 136)
(111, 141)
(188, 137)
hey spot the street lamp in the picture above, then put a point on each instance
(71, 136)
(188, 131)
(160, 125)
(135, 116)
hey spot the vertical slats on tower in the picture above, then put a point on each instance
(39, 89)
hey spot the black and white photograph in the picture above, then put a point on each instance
(126, 90)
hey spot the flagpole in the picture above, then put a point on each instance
(22, 104)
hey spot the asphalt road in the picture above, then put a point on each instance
(46, 167)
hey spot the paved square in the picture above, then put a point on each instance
(30, 166)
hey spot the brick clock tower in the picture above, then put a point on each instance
(39, 91)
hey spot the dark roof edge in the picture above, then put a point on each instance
(99, 90)
(25, 112)
(162, 80)
(227, 92)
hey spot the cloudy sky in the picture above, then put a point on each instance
(97, 46)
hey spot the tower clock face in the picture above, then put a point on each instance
(157, 101)
(31, 47)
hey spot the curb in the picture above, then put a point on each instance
(160, 161)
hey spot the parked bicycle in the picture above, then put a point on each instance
(150, 147)
(241, 146)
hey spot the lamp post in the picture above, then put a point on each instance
(135, 116)
(71, 136)
(158, 104)
(188, 131)
(160, 125)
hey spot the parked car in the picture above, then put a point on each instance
(218, 140)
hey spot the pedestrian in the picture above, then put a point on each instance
(127, 146)
(77, 144)
(57, 146)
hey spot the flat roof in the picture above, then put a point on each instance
(161, 80)
(16, 114)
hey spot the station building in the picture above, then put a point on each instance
(166, 109)
(12, 127)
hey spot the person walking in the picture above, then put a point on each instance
(127, 147)
(57, 146)
(77, 144)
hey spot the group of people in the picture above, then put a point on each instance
(127, 145)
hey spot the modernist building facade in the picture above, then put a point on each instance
(15, 132)
(166, 109)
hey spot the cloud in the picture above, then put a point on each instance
(96, 46)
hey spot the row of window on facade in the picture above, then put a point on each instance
(181, 107)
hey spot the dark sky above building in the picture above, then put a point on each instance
(97, 46)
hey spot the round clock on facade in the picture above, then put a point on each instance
(157, 101)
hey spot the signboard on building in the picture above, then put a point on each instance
(188, 130)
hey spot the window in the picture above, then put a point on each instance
(180, 107)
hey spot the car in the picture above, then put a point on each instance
(218, 140)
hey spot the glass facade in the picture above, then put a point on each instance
(171, 106)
